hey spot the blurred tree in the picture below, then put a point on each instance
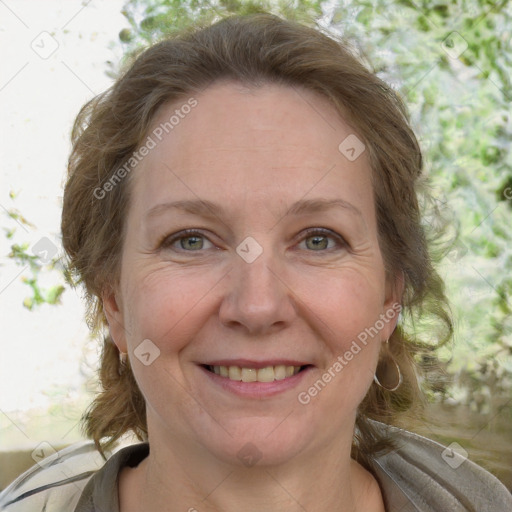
(46, 281)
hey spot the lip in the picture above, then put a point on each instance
(257, 390)
(248, 363)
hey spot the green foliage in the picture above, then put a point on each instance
(40, 269)
(149, 20)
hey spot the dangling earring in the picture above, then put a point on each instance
(123, 356)
(387, 374)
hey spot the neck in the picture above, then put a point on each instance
(188, 480)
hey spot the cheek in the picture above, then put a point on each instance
(163, 305)
(347, 302)
(348, 312)
(169, 310)
(351, 357)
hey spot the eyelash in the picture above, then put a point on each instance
(168, 241)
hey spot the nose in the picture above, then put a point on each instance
(258, 300)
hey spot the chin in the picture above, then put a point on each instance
(258, 441)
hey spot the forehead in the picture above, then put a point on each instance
(267, 143)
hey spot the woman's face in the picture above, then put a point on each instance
(283, 268)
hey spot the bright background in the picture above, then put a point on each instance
(43, 348)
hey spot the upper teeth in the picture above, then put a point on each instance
(267, 374)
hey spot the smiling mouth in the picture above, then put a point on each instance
(266, 374)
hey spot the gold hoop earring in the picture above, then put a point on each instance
(387, 374)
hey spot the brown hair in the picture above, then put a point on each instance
(252, 50)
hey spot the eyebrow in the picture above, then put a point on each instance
(208, 209)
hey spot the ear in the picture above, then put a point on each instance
(393, 302)
(115, 319)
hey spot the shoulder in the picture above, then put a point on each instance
(55, 483)
(432, 477)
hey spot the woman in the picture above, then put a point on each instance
(241, 208)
